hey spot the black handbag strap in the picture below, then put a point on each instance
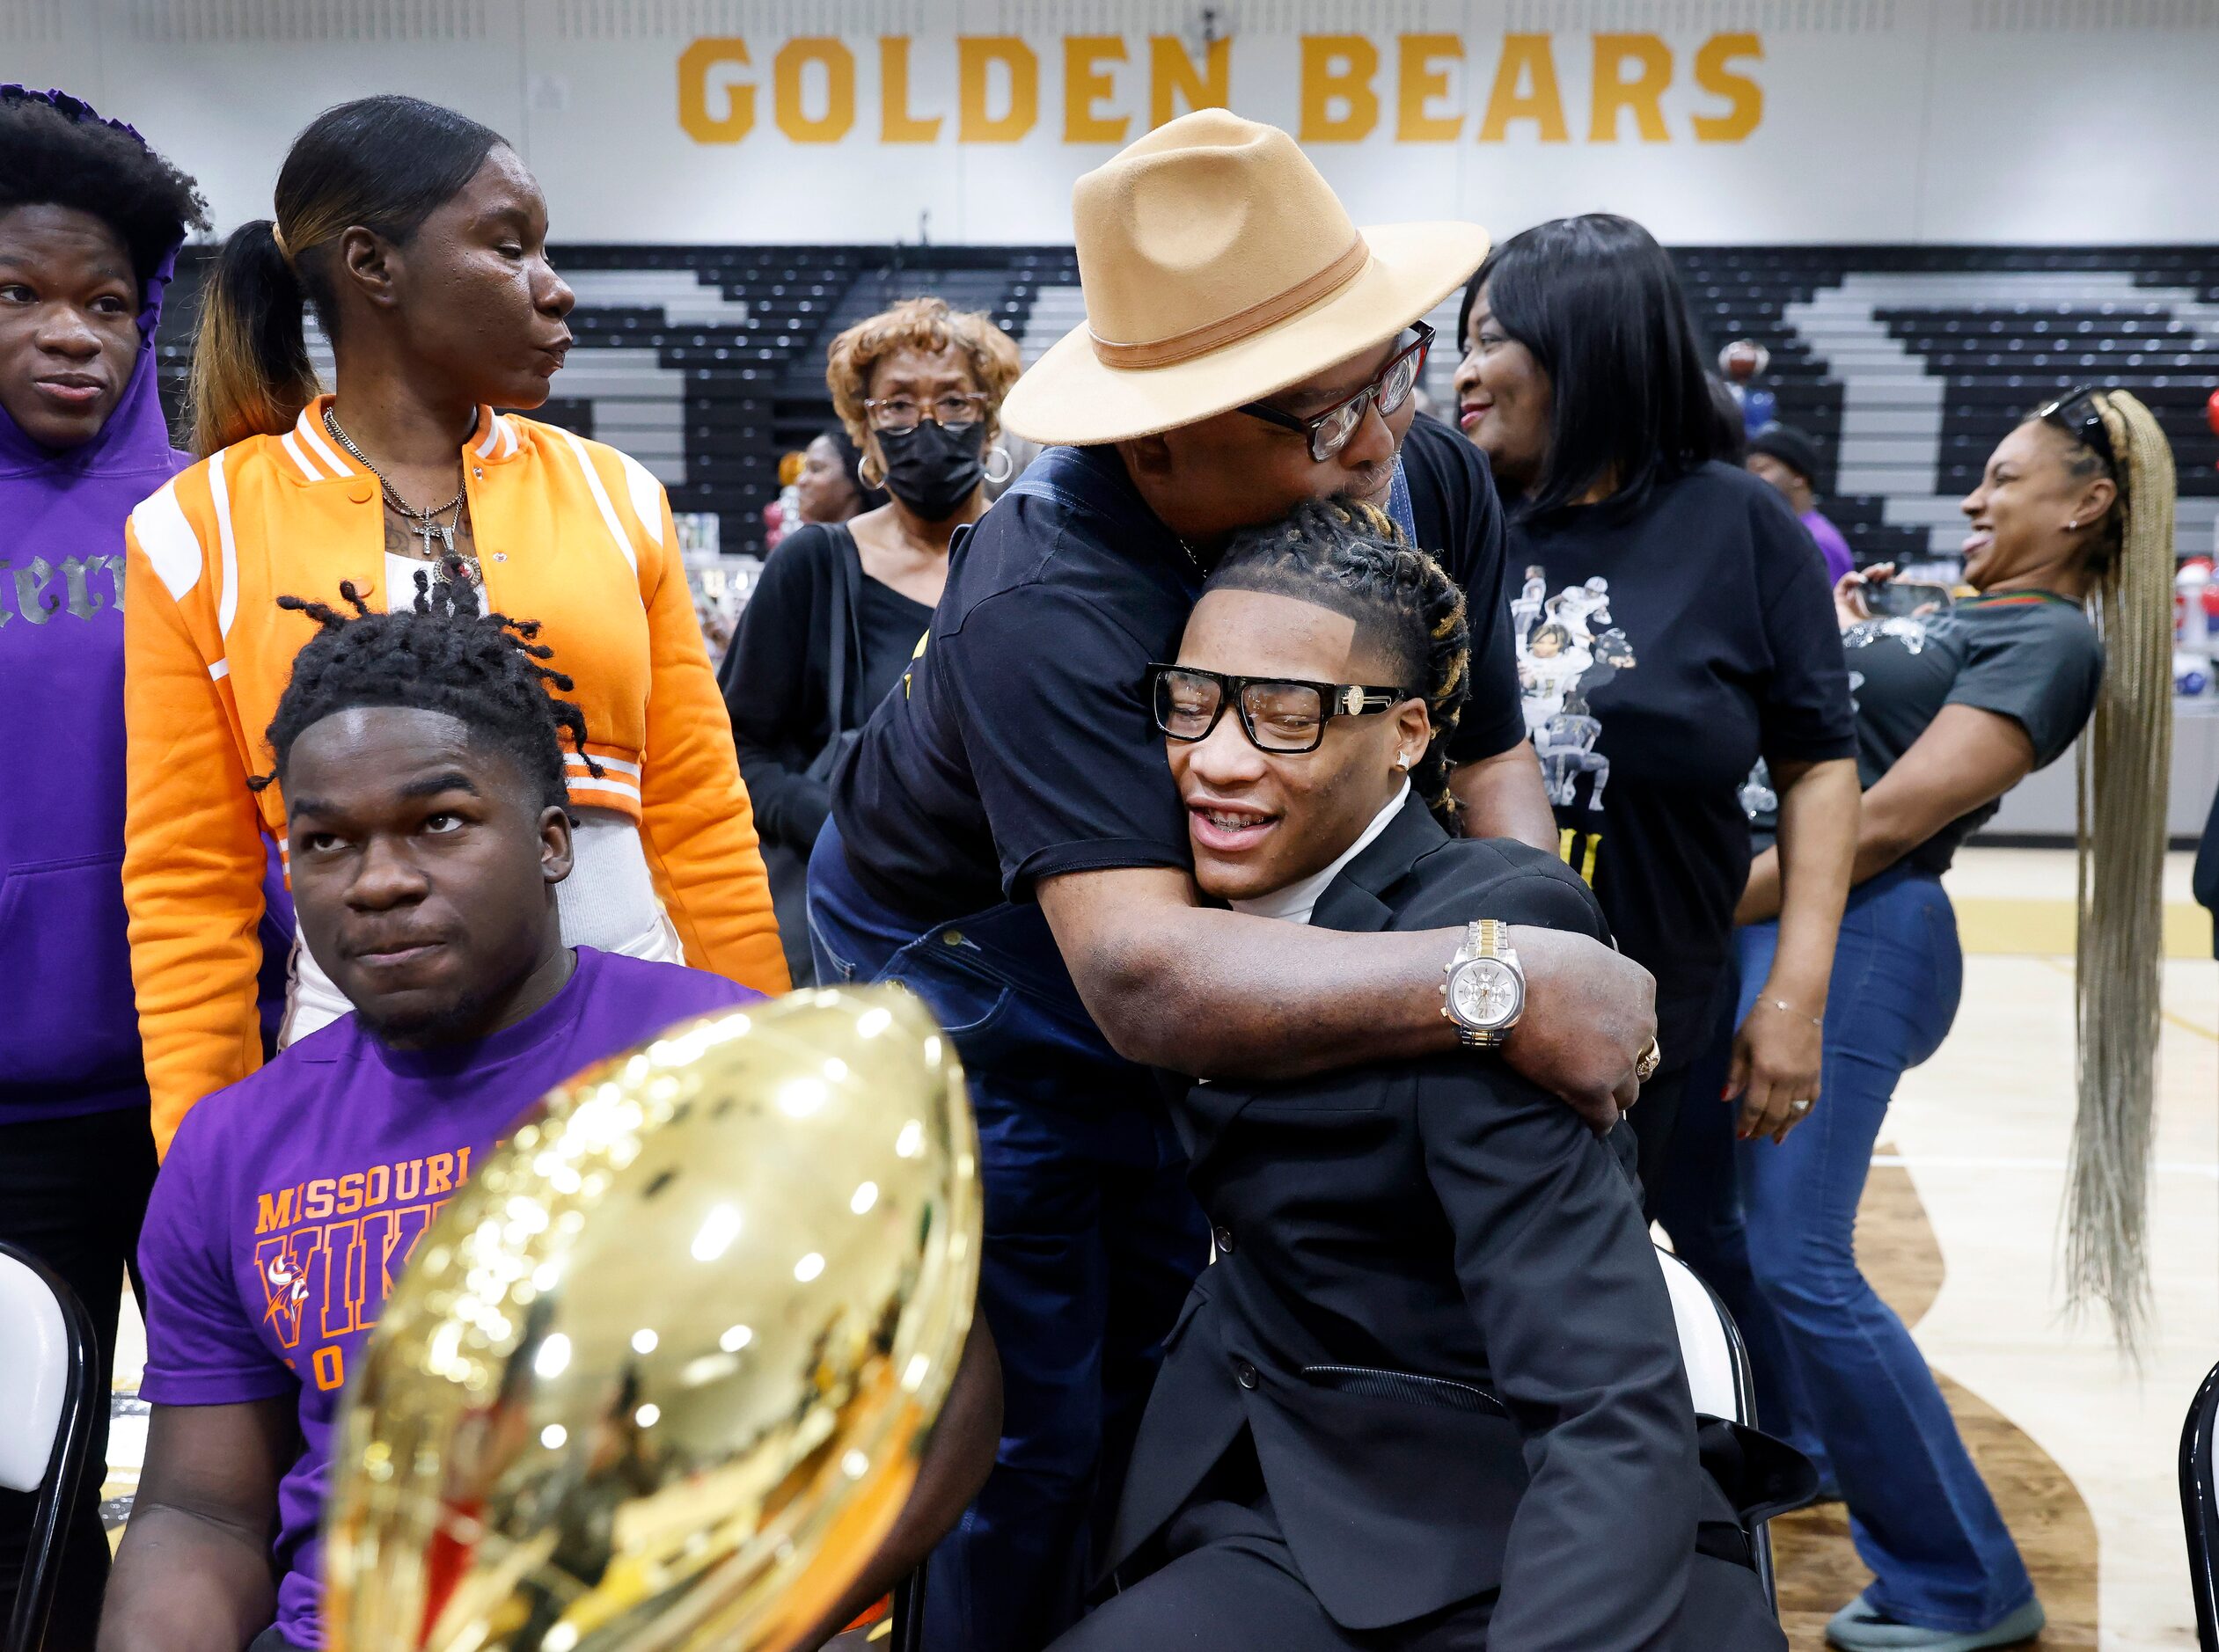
(848, 573)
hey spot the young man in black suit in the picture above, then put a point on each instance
(1430, 1395)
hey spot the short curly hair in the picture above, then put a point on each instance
(920, 323)
(61, 154)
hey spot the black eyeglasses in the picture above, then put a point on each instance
(1329, 432)
(2077, 414)
(1276, 714)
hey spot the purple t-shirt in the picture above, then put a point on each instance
(1832, 545)
(290, 1201)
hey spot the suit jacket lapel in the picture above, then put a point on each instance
(1352, 901)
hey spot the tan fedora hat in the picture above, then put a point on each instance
(1219, 268)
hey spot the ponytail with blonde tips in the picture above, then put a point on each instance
(2124, 766)
(251, 371)
(380, 163)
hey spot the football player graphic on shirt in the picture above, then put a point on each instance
(1908, 629)
(1568, 647)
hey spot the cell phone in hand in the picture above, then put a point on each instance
(1899, 599)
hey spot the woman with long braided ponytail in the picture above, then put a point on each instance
(2071, 554)
(1433, 1380)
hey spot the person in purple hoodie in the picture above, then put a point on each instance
(421, 758)
(91, 220)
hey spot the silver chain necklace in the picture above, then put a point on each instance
(424, 523)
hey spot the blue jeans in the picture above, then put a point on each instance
(1092, 1243)
(1775, 1239)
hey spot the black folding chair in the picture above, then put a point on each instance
(1718, 1377)
(908, 1615)
(48, 1375)
(2200, 1509)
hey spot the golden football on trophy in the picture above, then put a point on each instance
(659, 1376)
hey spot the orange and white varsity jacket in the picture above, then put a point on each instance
(569, 532)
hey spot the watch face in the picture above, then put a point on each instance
(1485, 994)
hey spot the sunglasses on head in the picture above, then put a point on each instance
(2077, 414)
(1329, 432)
(1284, 715)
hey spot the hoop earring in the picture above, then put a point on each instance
(1008, 465)
(863, 468)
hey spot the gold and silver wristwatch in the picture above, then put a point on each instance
(1485, 992)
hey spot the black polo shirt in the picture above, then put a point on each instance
(1019, 746)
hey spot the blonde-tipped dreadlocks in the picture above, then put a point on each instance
(2123, 771)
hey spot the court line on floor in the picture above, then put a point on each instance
(1945, 1161)
(2181, 1021)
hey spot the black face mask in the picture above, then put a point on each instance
(934, 468)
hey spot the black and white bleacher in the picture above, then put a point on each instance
(1906, 364)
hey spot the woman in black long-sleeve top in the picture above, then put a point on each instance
(840, 609)
(1430, 1395)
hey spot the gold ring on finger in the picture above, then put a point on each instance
(1645, 1064)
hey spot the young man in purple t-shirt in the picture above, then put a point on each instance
(423, 773)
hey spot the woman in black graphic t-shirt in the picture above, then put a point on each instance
(1671, 626)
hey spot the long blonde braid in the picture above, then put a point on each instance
(2123, 772)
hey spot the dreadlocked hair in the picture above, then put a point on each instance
(443, 655)
(1349, 557)
(2123, 770)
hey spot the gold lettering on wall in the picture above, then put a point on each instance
(1341, 92)
(1422, 82)
(1525, 89)
(896, 123)
(1338, 104)
(1744, 98)
(788, 72)
(694, 115)
(1087, 84)
(1174, 79)
(1631, 73)
(976, 56)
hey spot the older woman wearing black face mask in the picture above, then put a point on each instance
(841, 605)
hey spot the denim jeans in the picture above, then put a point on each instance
(1092, 1243)
(1775, 1239)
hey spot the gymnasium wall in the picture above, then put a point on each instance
(873, 120)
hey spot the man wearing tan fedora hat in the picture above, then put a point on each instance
(1006, 839)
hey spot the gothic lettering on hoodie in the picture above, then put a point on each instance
(80, 587)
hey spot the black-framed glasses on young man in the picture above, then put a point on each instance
(1329, 432)
(2077, 414)
(897, 413)
(1281, 714)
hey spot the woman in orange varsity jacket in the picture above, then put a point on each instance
(419, 238)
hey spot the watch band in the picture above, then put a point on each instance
(1483, 937)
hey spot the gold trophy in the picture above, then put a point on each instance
(659, 1376)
